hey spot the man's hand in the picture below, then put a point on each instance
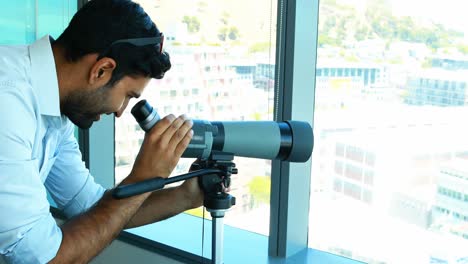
(168, 202)
(192, 192)
(162, 148)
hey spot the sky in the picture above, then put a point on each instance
(451, 13)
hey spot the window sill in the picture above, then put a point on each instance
(180, 238)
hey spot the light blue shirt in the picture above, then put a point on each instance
(38, 152)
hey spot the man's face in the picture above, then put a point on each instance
(85, 106)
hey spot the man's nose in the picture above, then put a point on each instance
(122, 109)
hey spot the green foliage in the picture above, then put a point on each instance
(260, 47)
(351, 58)
(361, 33)
(222, 33)
(259, 188)
(193, 24)
(463, 48)
(427, 63)
(257, 116)
(228, 32)
(202, 6)
(225, 18)
(325, 40)
(398, 60)
(343, 22)
(233, 33)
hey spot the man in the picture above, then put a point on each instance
(106, 56)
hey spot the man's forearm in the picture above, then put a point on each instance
(160, 205)
(88, 234)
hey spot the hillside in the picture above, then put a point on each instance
(340, 22)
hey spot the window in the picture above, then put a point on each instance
(212, 37)
(297, 54)
(25, 21)
(411, 55)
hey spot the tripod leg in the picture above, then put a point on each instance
(217, 242)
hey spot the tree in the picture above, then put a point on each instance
(222, 33)
(226, 31)
(259, 188)
(329, 24)
(233, 33)
(325, 40)
(260, 47)
(225, 18)
(193, 24)
(361, 33)
(201, 7)
(463, 48)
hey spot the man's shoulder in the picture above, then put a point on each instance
(15, 79)
(14, 64)
(13, 52)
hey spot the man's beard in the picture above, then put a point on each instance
(83, 107)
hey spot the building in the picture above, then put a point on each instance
(437, 87)
(389, 156)
(451, 206)
(362, 74)
(450, 62)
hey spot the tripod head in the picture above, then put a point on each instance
(215, 184)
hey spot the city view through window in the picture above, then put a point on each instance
(223, 61)
(390, 162)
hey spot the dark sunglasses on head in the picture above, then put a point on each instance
(156, 41)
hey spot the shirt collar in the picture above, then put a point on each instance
(44, 76)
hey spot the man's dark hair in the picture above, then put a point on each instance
(99, 23)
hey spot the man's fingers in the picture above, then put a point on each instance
(161, 126)
(167, 127)
(183, 143)
(181, 133)
(172, 134)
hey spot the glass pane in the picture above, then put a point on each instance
(222, 69)
(390, 169)
(19, 24)
(24, 21)
(53, 16)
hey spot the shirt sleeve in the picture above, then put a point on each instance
(69, 182)
(28, 232)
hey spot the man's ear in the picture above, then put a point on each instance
(101, 71)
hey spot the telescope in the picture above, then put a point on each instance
(215, 144)
(288, 141)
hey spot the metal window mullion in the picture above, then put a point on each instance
(97, 146)
(102, 151)
(294, 97)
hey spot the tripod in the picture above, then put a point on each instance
(214, 175)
